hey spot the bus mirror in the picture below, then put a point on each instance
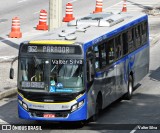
(11, 76)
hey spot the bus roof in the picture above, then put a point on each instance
(92, 28)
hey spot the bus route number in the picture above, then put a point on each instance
(32, 49)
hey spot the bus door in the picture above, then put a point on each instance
(90, 68)
(119, 66)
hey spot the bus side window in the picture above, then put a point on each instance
(118, 47)
(137, 36)
(24, 70)
(103, 55)
(110, 51)
(96, 51)
(125, 43)
(90, 70)
(144, 32)
(130, 40)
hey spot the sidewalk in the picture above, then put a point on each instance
(8, 86)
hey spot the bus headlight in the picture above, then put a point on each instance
(20, 102)
(77, 105)
(25, 106)
(74, 107)
(80, 103)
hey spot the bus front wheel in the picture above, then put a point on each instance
(95, 116)
(98, 109)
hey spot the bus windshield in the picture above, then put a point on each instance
(66, 76)
(51, 75)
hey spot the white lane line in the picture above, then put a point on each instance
(21, 1)
(72, 1)
(28, 34)
(115, 4)
(134, 130)
(3, 122)
(2, 22)
(36, 12)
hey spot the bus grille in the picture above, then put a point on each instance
(40, 113)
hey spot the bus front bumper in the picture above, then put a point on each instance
(78, 115)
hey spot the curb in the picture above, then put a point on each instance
(7, 93)
(5, 59)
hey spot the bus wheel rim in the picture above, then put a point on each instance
(130, 88)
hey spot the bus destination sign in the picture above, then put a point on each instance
(52, 49)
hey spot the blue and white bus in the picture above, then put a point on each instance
(73, 72)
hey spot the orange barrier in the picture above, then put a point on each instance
(15, 30)
(69, 13)
(124, 9)
(42, 21)
(99, 4)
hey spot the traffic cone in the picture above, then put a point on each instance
(124, 9)
(15, 30)
(99, 4)
(69, 13)
(42, 21)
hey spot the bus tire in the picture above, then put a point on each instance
(83, 123)
(95, 116)
(98, 108)
(128, 95)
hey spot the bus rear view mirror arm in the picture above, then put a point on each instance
(11, 75)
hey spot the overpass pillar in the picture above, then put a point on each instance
(55, 14)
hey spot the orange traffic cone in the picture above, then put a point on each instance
(69, 13)
(124, 9)
(99, 4)
(42, 21)
(15, 30)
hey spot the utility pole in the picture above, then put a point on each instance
(55, 14)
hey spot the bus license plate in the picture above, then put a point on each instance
(49, 115)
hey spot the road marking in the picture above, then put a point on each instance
(36, 12)
(114, 5)
(2, 22)
(3, 122)
(72, 1)
(28, 34)
(134, 130)
(21, 1)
